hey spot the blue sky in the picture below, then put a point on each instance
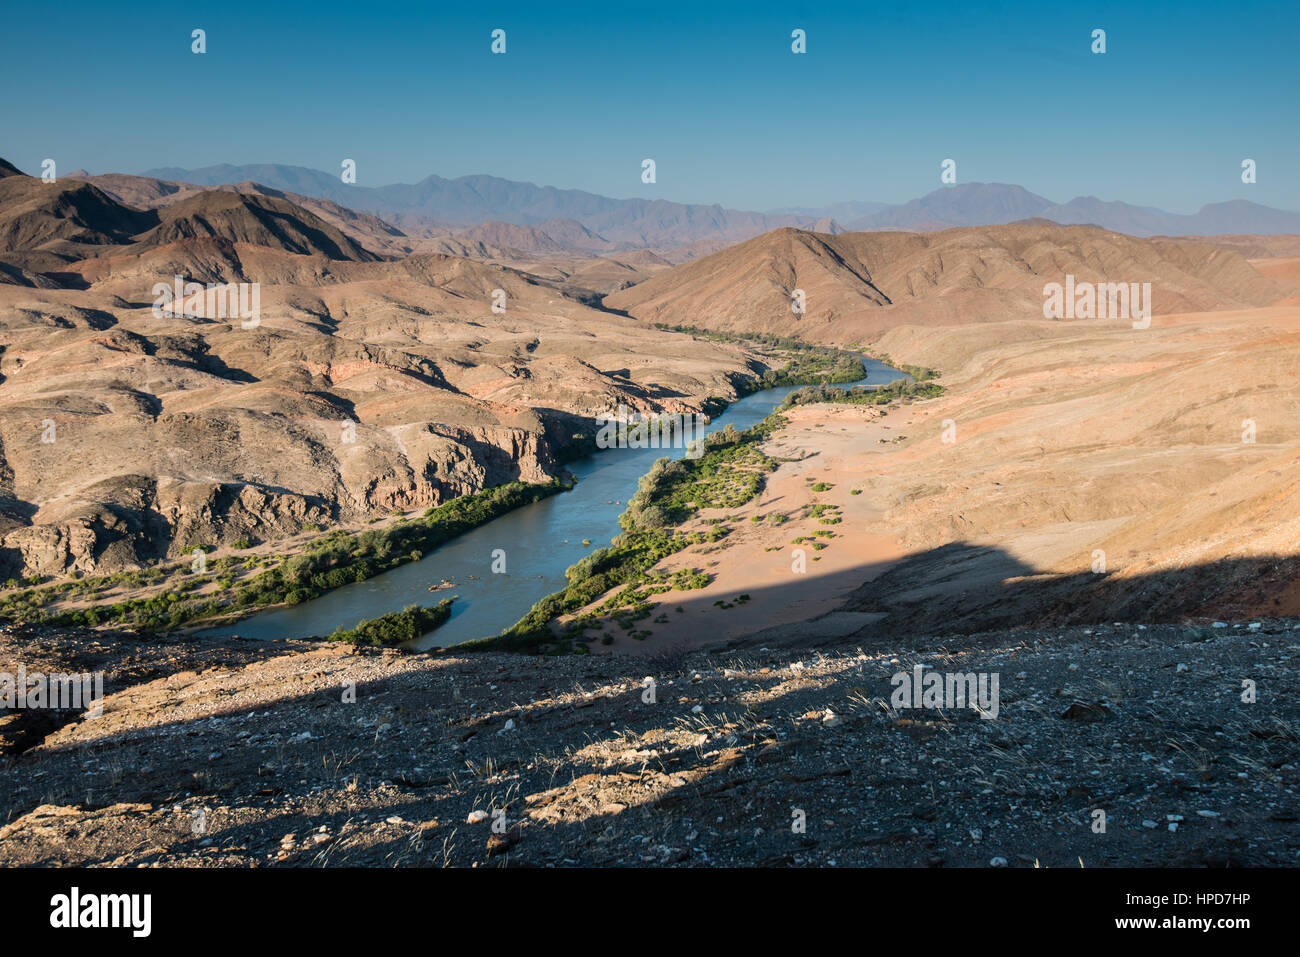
(710, 91)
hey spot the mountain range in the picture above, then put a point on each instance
(627, 223)
(437, 202)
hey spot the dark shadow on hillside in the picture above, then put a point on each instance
(628, 771)
(963, 588)
(932, 598)
(612, 780)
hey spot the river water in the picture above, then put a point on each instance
(539, 542)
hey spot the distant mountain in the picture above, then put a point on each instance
(1235, 216)
(970, 204)
(295, 179)
(627, 223)
(1239, 216)
(430, 206)
(996, 204)
(1121, 217)
(843, 212)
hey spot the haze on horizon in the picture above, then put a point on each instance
(715, 96)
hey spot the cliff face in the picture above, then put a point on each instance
(154, 521)
(439, 462)
(127, 520)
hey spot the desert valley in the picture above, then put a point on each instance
(1099, 507)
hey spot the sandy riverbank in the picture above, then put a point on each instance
(1092, 472)
(826, 453)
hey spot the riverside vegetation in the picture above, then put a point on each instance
(730, 473)
(234, 586)
(228, 588)
(170, 595)
(905, 390)
(805, 364)
(919, 373)
(398, 627)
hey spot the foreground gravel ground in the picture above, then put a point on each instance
(309, 754)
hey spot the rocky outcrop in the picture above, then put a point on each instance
(143, 519)
(220, 513)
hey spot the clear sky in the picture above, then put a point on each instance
(710, 91)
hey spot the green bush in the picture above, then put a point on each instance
(398, 627)
(653, 517)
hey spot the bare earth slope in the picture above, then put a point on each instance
(559, 249)
(1076, 470)
(1169, 454)
(859, 285)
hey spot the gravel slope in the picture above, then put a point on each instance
(247, 755)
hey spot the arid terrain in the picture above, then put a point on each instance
(1102, 511)
(367, 386)
(300, 755)
(860, 286)
(251, 756)
(1072, 472)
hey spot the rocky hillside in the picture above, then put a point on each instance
(316, 755)
(582, 262)
(42, 224)
(364, 386)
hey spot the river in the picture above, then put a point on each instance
(539, 542)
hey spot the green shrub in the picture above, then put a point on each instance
(398, 627)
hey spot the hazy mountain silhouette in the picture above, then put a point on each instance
(996, 204)
(642, 222)
(479, 199)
